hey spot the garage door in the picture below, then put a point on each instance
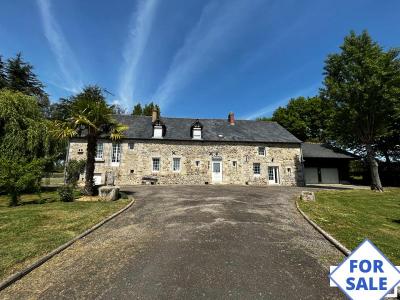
(311, 175)
(329, 175)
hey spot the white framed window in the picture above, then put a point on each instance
(176, 164)
(156, 164)
(116, 153)
(131, 145)
(256, 169)
(99, 151)
(261, 151)
(158, 132)
(197, 133)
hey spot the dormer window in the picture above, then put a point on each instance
(158, 129)
(196, 130)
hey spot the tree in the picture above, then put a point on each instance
(306, 118)
(73, 170)
(147, 110)
(20, 77)
(137, 110)
(3, 77)
(25, 145)
(363, 84)
(91, 117)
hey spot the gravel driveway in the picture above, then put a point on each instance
(193, 242)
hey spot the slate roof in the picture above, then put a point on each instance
(140, 127)
(315, 150)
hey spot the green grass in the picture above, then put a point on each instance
(353, 215)
(30, 230)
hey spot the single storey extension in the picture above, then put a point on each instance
(325, 165)
(160, 150)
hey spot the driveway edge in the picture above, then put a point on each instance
(326, 235)
(17, 276)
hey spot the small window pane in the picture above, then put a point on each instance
(176, 165)
(131, 146)
(156, 164)
(116, 153)
(261, 151)
(256, 168)
(99, 151)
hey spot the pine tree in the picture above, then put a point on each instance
(137, 110)
(3, 78)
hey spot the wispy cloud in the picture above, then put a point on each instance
(60, 48)
(214, 32)
(139, 32)
(269, 109)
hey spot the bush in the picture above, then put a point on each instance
(66, 193)
(73, 170)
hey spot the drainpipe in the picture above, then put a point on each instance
(302, 164)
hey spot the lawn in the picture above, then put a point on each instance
(353, 215)
(31, 230)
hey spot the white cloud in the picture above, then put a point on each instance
(60, 48)
(269, 109)
(139, 32)
(214, 32)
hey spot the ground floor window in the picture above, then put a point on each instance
(256, 169)
(116, 153)
(273, 175)
(156, 164)
(99, 151)
(176, 164)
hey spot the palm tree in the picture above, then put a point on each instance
(90, 116)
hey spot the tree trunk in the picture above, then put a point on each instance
(373, 165)
(90, 160)
(14, 199)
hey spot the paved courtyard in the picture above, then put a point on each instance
(193, 242)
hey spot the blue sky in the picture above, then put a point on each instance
(195, 58)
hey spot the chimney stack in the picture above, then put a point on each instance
(231, 118)
(154, 115)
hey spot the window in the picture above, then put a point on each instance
(158, 132)
(261, 151)
(176, 164)
(256, 169)
(289, 171)
(156, 164)
(116, 153)
(234, 164)
(197, 163)
(197, 133)
(99, 151)
(131, 146)
(80, 151)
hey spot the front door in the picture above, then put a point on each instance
(216, 171)
(273, 175)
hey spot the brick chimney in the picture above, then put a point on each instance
(231, 118)
(154, 115)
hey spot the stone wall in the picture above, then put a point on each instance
(137, 162)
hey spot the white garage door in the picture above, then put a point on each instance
(329, 175)
(311, 175)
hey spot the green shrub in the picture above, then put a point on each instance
(73, 171)
(66, 193)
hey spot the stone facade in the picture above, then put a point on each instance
(196, 159)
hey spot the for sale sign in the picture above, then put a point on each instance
(366, 274)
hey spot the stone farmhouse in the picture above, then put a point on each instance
(160, 150)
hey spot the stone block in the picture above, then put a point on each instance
(307, 196)
(109, 193)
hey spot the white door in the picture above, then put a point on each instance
(216, 171)
(273, 175)
(311, 175)
(97, 179)
(329, 175)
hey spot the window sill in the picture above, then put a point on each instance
(99, 159)
(113, 164)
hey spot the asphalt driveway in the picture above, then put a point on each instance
(193, 242)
